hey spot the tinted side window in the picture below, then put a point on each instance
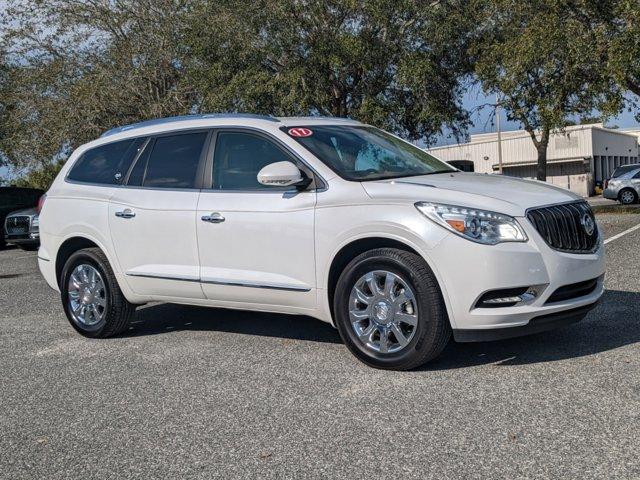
(173, 162)
(106, 164)
(637, 175)
(239, 157)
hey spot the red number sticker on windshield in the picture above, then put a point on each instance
(300, 132)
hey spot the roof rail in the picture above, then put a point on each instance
(183, 118)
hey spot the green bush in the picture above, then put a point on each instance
(40, 177)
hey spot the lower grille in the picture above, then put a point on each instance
(568, 227)
(17, 225)
(575, 290)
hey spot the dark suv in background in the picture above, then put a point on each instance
(12, 199)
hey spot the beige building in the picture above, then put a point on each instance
(579, 159)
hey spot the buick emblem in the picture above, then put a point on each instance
(588, 224)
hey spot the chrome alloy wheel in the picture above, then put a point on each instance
(383, 311)
(87, 295)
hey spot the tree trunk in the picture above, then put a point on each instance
(541, 147)
(541, 172)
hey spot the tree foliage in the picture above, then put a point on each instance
(40, 177)
(77, 68)
(543, 65)
(80, 67)
(614, 26)
(71, 69)
(395, 63)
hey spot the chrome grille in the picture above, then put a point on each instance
(17, 225)
(565, 227)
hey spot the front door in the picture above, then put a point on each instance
(153, 218)
(256, 242)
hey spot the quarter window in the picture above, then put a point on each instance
(239, 157)
(173, 161)
(106, 164)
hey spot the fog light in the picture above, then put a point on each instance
(507, 297)
(491, 301)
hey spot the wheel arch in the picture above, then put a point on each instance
(354, 248)
(71, 245)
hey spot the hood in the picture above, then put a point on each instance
(509, 195)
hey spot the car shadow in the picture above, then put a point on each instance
(614, 323)
(165, 317)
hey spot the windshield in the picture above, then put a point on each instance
(366, 153)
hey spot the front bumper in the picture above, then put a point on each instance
(610, 194)
(467, 271)
(27, 239)
(538, 324)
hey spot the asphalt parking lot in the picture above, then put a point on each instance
(200, 393)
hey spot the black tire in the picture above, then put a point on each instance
(118, 311)
(633, 199)
(433, 329)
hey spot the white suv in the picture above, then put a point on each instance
(314, 216)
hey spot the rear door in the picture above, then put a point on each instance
(153, 218)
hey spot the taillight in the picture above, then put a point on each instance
(41, 203)
(606, 183)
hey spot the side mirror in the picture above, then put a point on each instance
(282, 174)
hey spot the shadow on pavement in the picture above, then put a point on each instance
(613, 324)
(164, 318)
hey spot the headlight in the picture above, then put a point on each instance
(35, 221)
(477, 225)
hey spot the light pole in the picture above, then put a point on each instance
(499, 133)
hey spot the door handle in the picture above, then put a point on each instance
(213, 218)
(126, 213)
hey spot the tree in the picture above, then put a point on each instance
(396, 64)
(542, 63)
(41, 177)
(76, 68)
(615, 25)
(80, 67)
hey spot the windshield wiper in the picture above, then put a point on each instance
(437, 171)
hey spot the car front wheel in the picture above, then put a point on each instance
(389, 310)
(91, 297)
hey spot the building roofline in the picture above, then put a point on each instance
(518, 134)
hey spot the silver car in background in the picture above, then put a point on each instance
(624, 186)
(22, 228)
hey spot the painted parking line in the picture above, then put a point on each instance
(622, 234)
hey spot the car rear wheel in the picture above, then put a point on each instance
(91, 297)
(389, 310)
(628, 197)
